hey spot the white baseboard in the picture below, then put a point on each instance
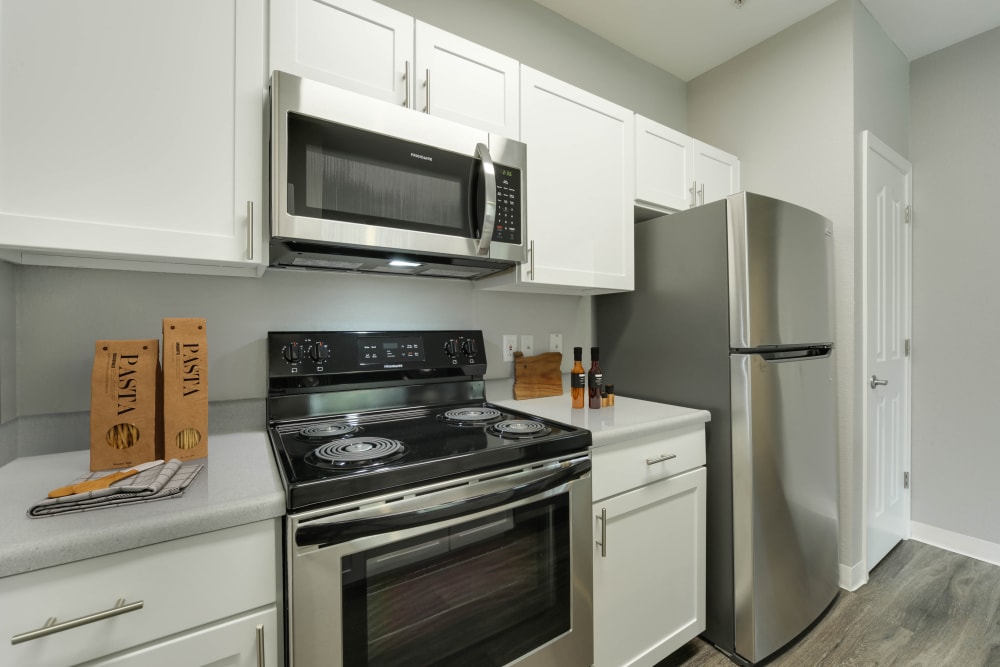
(853, 577)
(956, 542)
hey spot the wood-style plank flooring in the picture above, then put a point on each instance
(922, 607)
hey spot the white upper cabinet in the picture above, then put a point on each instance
(467, 83)
(716, 172)
(580, 191)
(374, 50)
(674, 171)
(355, 44)
(133, 129)
(663, 165)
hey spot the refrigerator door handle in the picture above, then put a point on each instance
(789, 354)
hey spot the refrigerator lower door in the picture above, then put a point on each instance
(785, 518)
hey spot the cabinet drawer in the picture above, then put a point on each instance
(182, 584)
(630, 464)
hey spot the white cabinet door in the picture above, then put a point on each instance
(649, 580)
(371, 49)
(246, 641)
(133, 128)
(465, 82)
(674, 171)
(580, 187)
(355, 44)
(663, 165)
(716, 172)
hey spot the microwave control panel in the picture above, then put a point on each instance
(507, 224)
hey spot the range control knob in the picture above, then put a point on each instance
(469, 347)
(319, 352)
(292, 353)
(451, 347)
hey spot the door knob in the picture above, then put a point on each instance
(876, 382)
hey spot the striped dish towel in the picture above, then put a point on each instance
(158, 483)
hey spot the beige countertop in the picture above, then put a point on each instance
(238, 485)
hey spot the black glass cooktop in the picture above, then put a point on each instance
(335, 457)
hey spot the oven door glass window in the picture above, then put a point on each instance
(482, 593)
(339, 172)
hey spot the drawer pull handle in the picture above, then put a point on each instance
(260, 645)
(604, 532)
(51, 626)
(660, 459)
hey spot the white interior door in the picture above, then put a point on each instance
(886, 326)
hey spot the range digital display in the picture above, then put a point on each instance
(390, 350)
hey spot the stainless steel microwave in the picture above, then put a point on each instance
(359, 184)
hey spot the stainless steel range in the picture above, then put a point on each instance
(425, 525)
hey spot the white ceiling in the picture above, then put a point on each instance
(690, 37)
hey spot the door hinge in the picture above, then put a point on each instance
(908, 213)
(906, 347)
(906, 480)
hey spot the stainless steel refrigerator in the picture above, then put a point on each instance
(732, 312)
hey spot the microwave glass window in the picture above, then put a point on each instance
(482, 593)
(338, 172)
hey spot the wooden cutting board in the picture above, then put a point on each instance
(537, 376)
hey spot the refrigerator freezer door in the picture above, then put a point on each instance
(785, 518)
(780, 260)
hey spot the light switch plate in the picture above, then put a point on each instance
(555, 342)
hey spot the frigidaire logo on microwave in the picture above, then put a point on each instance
(422, 157)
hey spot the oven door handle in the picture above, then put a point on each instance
(344, 531)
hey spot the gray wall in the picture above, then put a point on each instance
(8, 376)
(62, 312)
(546, 41)
(954, 148)
(785, 107)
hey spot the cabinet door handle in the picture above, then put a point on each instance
(660, 459)
(694, 194)
(406, 84)
(701, 194)
(604, 532)
(249, 229)
(427, 86)
(531, 259)
(260, 645)
(51, 626)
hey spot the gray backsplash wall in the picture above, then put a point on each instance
(8, 375)
(62, 312)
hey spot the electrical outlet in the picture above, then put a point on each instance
(555, 342)
(509, 345)
(527, 345)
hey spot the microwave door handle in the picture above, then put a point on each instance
(490, 207)
(325, 534)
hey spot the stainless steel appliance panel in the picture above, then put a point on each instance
(781, 258)
(785, 513)
(315, 560)
(309, 99)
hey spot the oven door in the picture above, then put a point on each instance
(484, 572)
(351, 171)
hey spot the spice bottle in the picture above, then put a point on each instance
(595, 378)
(578, 379)
(611, 395)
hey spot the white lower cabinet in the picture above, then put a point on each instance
(192, 601)
(238, 642)
(649, 540)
